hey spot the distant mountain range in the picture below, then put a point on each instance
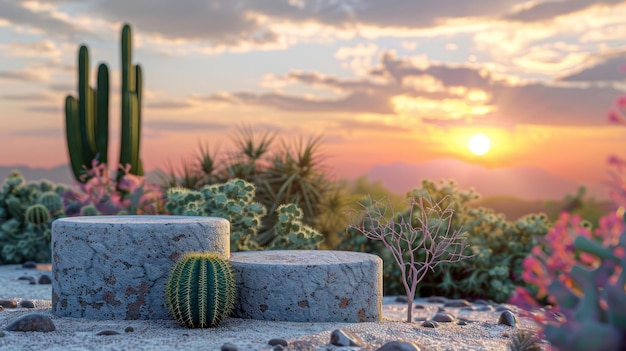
(522, 182)
(59, 174)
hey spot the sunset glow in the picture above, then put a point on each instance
(479, 144)
(504, 85)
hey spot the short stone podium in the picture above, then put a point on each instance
(308, 286)
(116, 267)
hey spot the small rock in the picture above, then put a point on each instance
(436, 299)
(484, 308)
(468, 308)
(29, 265)
(278, 348)
(402, 299)
(129, 330)
(399, 346)
(27, 277)
(502, 308)
(505, 335)
(345, 338)
(228, 347)
(108, 332)
(418, 307)
(27, 304)
(44, 279)
(443, 317)
(508, 318)
(8, 303)
(32, 322)
(274, 342)
(462, 322)
(481, 302)
(32, 282)
(457, 303)
(430, 324)
(1, 308)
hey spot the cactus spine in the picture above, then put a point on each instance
(201, 290)
(87, 117)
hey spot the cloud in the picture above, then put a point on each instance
(356, 102)
(548, 10)
(352, 125)
(25, 97)
(388, 14)
(52, 132)
(16, 13)
(18, 75)
(44, 48)
(439, 94)
(187, 126)
(169, 105)
(607, 69)
(219, 22)
(46, 109)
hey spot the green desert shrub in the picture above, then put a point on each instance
(282, 171)
(234, 201)
(26, 214)
(496, 245)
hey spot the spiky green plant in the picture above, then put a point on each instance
(525, 340)
(24, 221)
(87, 117)
(200, 291)
(37, 215)
(292, 172)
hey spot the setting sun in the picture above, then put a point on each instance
(479, 144)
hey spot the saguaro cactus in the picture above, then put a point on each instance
(201, 290)
(87, 117)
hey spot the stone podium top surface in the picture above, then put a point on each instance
(140, 219)
(300, 257)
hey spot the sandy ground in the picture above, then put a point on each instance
(246, 334)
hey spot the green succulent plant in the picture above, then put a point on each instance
(496, 245)
(25, 222)
(234, 201)
(292, 172)
(201, 290)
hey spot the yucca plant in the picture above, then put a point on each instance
(292, 172)
(201, 290)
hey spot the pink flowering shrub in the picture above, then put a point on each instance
(130, 195)
(555, 256)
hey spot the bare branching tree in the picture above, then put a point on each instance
(418, 241)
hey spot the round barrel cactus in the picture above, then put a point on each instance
(37, 215)
(200, 291)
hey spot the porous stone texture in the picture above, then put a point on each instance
(116, 267)
(308, 286)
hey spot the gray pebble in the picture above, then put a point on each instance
(401, 299)
(44, 279)
(443, 317)
(345, 338)
(508, 318)
(457, 303)
(418, 307)
(274, 342)
(129, 330)
(108, 332)
(399, 346)
(32, 322)
(27, 304)
(29, 265)
(437, 299)
(8, 303)
(228, 347)
(430, 324)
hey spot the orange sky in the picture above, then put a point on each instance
(407, 83)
